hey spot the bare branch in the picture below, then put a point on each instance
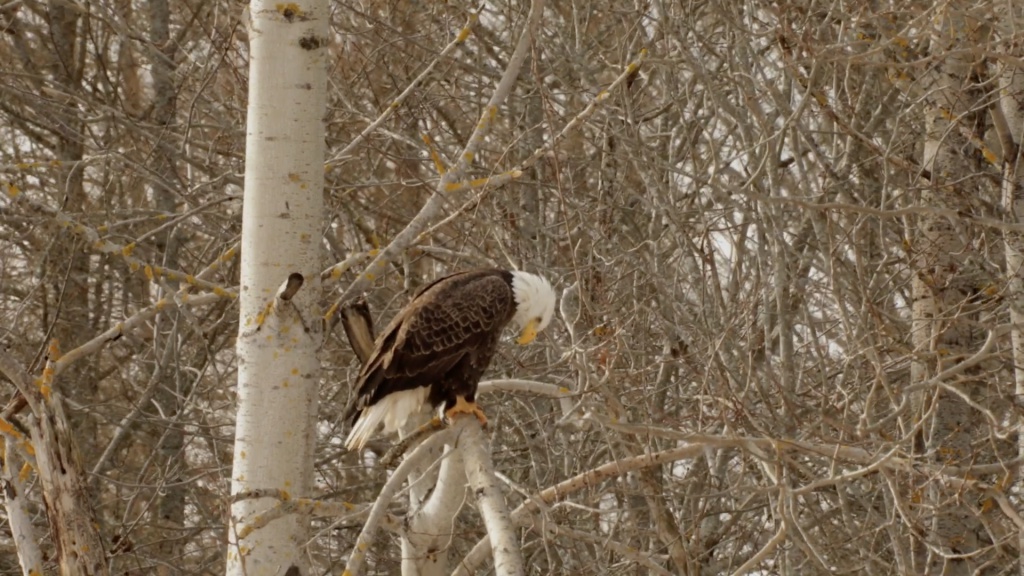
(416, 83)
(23, 532)
(368, 534)
(508, 560)
(476, 557)
(407, 237)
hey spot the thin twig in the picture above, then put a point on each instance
(432, 208)
(416, 83)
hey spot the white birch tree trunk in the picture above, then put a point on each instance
(279, 334)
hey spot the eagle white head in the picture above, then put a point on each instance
(535, 304)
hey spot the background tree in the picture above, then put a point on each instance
(788, 244)
(280, 330)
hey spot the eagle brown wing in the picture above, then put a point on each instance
(446, 323)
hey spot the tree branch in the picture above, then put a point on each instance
(478, 554)
(508, 559)
(23, 533)
(416, 83)
(551, 529)
(368, 534)
(432, 207)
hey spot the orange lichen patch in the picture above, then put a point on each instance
(331, 311)
(434, 156)
(989, 155)
(485, 119)
(288, 10)
(262, 316)
(25, 472)
(9, 429)
(466, 31)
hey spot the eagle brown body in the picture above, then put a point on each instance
(437, 348)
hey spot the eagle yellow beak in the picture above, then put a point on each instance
(528, 333)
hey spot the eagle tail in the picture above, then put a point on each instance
(392, 410)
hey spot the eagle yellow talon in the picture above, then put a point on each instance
(462, 406)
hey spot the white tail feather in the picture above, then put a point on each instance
(393, 410)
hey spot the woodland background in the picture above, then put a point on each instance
(790, 240)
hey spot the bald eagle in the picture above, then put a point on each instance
(436, 349)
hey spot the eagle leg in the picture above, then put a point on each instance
(463, 406)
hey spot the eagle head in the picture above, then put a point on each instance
(535, 304)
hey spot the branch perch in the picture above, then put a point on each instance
(387, 494)
(508, 559)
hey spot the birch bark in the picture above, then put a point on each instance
(279, 334)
